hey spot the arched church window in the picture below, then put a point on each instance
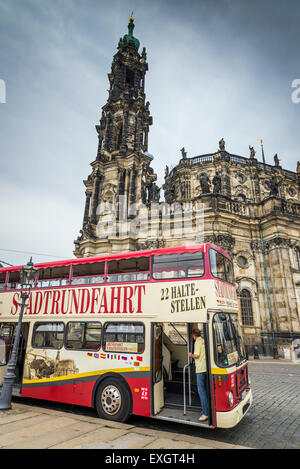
(129, 78)
(242, 262)
(297, 254)
(246, 308)
(119, 136)
(241, 198)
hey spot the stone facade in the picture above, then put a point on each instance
(249, 208)
(252, 210)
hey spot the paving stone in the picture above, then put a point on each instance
(58, 431)
(32, 435)
(102, 435)
(165, 443)
(128, 441)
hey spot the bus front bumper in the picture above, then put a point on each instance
(232, 417)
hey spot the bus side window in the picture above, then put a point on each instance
(48, 335)
(187, 264)
(220, 266)
(88, 273)
(83, 335)
(53, 277)
(124, 337)
(14, 281)
(217, 265)
(128, 270)
(2, 281)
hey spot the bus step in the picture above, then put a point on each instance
(177, 399)
(176, 415)
(177, 387)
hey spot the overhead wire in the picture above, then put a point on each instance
(32, 253)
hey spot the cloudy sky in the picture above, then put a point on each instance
(217, 68)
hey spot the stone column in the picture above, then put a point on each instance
(96, 189)
(87, 207)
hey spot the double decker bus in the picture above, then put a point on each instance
(114, 332)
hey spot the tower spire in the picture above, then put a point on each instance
(131, 26)
(121, 175)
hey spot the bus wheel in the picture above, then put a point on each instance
(113, 400)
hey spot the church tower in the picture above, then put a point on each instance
(121, 175)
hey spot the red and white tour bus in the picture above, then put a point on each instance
(114, 332)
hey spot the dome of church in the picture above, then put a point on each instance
(128, 38)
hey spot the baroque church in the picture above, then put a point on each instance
(248, 207)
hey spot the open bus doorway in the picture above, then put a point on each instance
(177, 398)
(7, 337)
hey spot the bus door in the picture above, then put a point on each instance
(157, 369)
(7, 337)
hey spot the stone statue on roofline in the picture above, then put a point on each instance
(252, 152)
(276, 160)
(183, 152)
(222, 144)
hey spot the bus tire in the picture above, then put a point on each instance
(113, 400)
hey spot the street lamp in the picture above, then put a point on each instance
(27, 278)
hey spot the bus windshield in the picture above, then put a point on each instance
(220, 266)
(229, 343)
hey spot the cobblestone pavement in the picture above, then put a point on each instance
(273, 422)
(274, 418)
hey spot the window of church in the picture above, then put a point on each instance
(242, 261)
(130, 77)
(119, 136)
(241, 178)
(246, 308)
(241, 198)
(297, 254)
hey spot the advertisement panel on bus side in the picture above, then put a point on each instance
(169, 300)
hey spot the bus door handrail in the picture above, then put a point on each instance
(172, 324)
(184, 390)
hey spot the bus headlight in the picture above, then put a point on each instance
(230, 398)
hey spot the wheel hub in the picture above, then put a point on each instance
(111, 399)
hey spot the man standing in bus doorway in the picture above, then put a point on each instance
(200, 363)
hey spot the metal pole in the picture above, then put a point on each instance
(275, 351)
(9, 378)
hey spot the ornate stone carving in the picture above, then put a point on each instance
(204, 183)
(217, 183)
(276, 242)
(227, 242)
(150, 244)
(154, 193)
(274, 187)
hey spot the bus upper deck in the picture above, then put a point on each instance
(119, 283)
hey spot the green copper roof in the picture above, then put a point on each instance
(129, 37)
